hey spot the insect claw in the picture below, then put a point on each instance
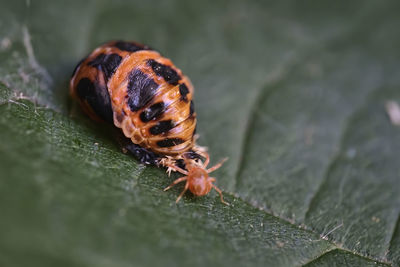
(167, 188)
(224, 202)
(177, 200)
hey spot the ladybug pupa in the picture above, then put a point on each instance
(143, 94)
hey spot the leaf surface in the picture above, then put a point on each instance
(293, 93)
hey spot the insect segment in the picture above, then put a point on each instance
(150, 100)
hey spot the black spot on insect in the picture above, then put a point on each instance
(183, 90)
(152, 112)
(97, 97)
(168, 142)
(141, 89)
(162, 127)
(189, 155)
(77, 66)
(107, 63)
(130, 46)
(168, 73)
(144, 155)
(191, 108)
(181, 164)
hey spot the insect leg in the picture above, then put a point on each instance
(183, 192)
(217, 166)
(184, 178)
(220, 194)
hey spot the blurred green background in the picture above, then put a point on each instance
(293, 92)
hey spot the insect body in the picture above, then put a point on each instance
(150, 100)
(197, 179)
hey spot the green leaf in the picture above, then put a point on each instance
(294, 93)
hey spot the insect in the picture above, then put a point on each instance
(142, 93)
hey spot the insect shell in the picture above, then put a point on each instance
(150, 100)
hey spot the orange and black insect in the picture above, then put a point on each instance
(150, 100)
